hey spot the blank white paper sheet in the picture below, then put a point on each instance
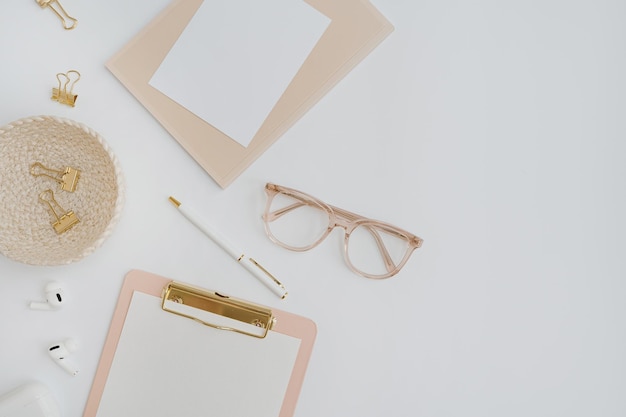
(166, 365)
(236, 58)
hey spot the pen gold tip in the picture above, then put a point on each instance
(174, 201)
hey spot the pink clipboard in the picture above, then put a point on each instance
(140, 283)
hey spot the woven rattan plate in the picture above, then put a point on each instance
(26, 232)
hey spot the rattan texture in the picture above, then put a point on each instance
(26, 232)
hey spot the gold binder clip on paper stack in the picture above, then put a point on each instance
(68, 21)
(61, 93)
(65, 220)
(68, 178)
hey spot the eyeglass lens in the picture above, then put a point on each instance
(296, 223)
(375, 250)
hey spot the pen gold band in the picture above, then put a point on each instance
(267, 273)
(174, 201)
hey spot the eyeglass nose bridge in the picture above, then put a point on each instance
(340, 218)
(337, 221)
(343, 219)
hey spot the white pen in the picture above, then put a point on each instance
(250, 264)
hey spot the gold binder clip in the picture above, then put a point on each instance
(68, 21)
(216, 310)
(68, 178)
(64, 221)
(61, 93)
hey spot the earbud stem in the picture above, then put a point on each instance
(68, 366)
(40, 306)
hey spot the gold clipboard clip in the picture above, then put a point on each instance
(69, 22)
(61, 93)
(225, 313)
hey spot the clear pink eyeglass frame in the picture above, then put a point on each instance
(339, 218)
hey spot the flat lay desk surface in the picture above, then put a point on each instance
(493, 130)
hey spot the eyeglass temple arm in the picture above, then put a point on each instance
(271, 216)
(383, 249)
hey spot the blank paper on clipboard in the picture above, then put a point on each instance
(156, 363)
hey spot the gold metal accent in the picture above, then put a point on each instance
(61, 93)
(69, 22)
(267, 273)
(213, 302)
(65, 220)
(174, 201)
(68, 178)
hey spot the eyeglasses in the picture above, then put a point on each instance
(299, 222)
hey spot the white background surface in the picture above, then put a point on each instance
(494, 130)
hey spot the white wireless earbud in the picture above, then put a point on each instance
(60, 352)
(55, 298)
